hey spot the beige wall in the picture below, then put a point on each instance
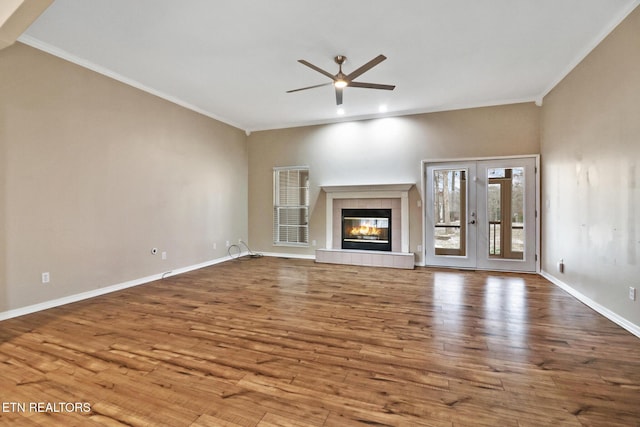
(383, 151)
(94, 173)
(590, 144)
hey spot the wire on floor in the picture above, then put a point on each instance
(235, 251)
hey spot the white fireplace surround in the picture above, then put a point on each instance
(400, 258)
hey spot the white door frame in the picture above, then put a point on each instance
(423, 189)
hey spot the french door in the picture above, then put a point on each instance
(481, 214)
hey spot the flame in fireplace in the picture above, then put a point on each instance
(364, 230)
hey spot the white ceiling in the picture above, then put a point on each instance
(235, 60)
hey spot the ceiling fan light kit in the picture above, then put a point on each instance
(341, 80)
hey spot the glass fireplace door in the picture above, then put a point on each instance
(366, 229)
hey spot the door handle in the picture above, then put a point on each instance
(473, 221)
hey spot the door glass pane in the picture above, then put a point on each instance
(517, 212)
(494, 205)
(505, 212)
(449, 190)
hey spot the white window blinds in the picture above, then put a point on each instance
(291, 206)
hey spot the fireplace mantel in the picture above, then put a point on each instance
(330, 189)
(369, 191)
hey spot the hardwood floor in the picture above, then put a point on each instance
(275, 342)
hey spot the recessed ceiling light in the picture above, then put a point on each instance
(382, 108)
(340, 111)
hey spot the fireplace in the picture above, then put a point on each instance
(393, 199)
(366, 229)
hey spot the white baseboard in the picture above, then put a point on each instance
(615, 318)
(108, 289)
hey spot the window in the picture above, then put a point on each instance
(291, 206)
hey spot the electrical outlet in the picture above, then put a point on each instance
(419, 248)
(632, 293)
(164, 255)
(45, 277)
(227, 244)
(215, 246)
(314, 243)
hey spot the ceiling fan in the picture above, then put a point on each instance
(341, 80)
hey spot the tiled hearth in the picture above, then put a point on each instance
(388, 196)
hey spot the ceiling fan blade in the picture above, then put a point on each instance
(372, 86)
(338, 96)
(309, 87)
(366, 67)
(318, 69)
